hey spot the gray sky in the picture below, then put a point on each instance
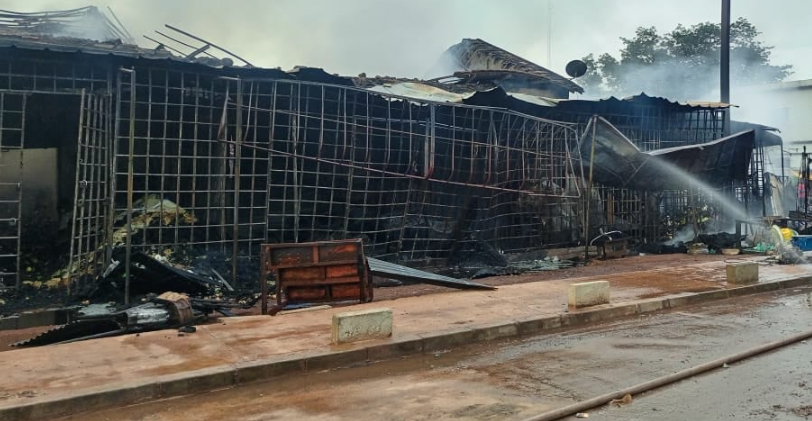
(404, 38)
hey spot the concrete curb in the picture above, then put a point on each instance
(344, 356)
(48, 317)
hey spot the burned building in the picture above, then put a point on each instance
(116, 144)
(105, 144)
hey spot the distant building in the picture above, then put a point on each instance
(786, 106)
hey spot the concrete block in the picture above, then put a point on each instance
(533, 325)
(703, 297)
(362, 325)
(649, 306)
(36, 319)
(581, 318)
(330, 360)
(740, 291)
(403, 345)
(678, 301)
(447, 339)
(249, 371)
(586, 294)
(9, 323)
(617, 311)
(742, 272)
(197, 381)
(765, 287)
(795, 282)
(495, 331)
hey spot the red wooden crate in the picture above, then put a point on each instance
(322, 271)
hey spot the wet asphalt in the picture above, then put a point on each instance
(516, 379)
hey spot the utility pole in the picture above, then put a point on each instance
(549, 34)
(724, 64)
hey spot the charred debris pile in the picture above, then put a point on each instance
(186, 164)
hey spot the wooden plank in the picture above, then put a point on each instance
(320, 264)
(317, 282)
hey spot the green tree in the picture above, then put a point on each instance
(682, 64)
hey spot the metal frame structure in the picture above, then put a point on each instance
(651, 124)
(183, 155)
(12, 142)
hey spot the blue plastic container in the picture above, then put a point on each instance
(803, 242)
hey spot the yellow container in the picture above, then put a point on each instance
(787, 233)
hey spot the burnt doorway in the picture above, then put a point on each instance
(47, 186)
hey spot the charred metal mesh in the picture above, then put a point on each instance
(224, 161)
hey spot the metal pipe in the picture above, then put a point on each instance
(235, 246)
(724, 70)
(196, 38)
(24, 105)
(175, 50)
(588, 193)
(783, 173)
(805, 175)
(606, 234)
(529, 193)
(130, 171)
(121, 25)
(185, 44)
(666, 380)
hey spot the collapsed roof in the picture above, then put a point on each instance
(83, 23)
(482, 60)
(89, 31)
(617, 162)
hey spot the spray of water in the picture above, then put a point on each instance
(731, 207)
(786, 253)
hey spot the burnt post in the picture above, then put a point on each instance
(805, 175)
(130, 188)
(724, 64)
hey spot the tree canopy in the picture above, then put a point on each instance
(682, 64)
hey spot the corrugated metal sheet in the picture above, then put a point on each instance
(75, 45)
(476, 54)
(665, 101)
(419, 91)
(431, 92)
(617, 162)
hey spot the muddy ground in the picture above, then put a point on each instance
(596, 267)
(515, 379)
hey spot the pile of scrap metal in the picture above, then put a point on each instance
(165, 296)
(155, 274)
(167, 310)
(612, 244)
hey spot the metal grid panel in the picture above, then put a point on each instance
(181, 173)
(89, 247)
(634, 212)
(21, 71)
(415, 179)
(12, 139)
(652, 127)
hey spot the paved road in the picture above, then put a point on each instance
(513, 380)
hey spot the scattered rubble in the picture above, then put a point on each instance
(148, 211)
(167, 310)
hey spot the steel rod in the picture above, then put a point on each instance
(666, 380)
(207, 42)
(130, 182)
(237, 171)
